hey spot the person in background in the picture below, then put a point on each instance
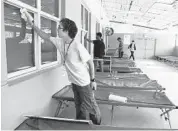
(120, 48)
(132, 48)
(79, 66)
(99, 48)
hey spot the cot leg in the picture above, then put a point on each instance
(58, 108)
(112, 113)
(167, 116)
(163, 114)
(101, 66)
(110, 63)
(166, 112)
(169, 120)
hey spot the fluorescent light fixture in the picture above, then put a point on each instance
(166, 1)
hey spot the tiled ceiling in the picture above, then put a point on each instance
(156, 14)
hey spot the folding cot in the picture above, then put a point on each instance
(136, 98)
(54, 123)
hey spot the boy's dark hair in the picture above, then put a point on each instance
(99, 34)
(133, 41)
(70, 26)
(118, 38)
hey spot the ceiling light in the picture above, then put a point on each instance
(166, 1)
(175, 5)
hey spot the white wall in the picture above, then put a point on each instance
(165, 44)
(31, 97)
(73, 12)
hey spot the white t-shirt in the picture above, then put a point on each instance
(132, 48)
(75, 62)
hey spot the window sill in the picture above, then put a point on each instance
(24, 77)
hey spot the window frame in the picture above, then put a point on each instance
(83, 24)
(39, 67)
(97, 26)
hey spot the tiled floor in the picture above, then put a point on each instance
(166, 76)
(143, 117)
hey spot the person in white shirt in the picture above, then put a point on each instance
(132, 48)
(79, 66)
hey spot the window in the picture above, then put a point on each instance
(127, 40)
(23, 51)
(176, 39)
(30, 2)
(104, 37)
(19, 40)
(48, 50)
(86, 20)
(50, 6)
(85, 26)
(97, 27)
(83, 32)
(82, 16)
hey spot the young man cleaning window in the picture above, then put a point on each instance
(79, 66)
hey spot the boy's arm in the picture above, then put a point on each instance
(91, 68)
(91, 41)
(42, 34)
(86, 58)
(92, 73)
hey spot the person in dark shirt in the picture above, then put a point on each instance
(99, 47)
(120, 48)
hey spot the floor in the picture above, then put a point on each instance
(166, 76)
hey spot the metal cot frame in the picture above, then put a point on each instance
(63, 102)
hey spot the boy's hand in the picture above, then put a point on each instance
(93, 85)
(28, 16)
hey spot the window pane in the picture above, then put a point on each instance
(81, 36)
(97, 27)
(29, 2)
(86, 19)
(50, 6)
(177, 40)
(85, 42)
(82, 16)
(48, 50)
(19, 40)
